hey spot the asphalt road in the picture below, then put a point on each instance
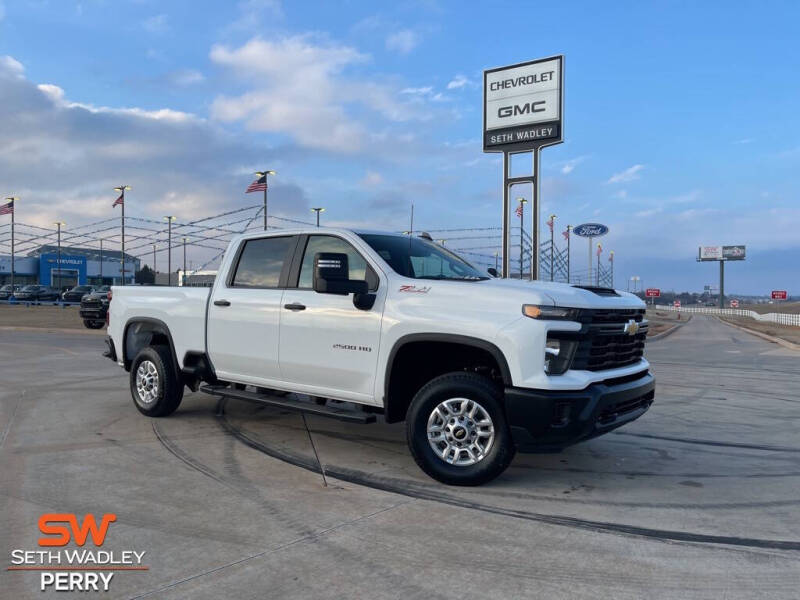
(697, 499)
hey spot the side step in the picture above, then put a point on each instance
(289, 404)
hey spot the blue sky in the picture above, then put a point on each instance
(681, 122)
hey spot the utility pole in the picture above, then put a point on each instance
(58, 262)
(318, 210)
(121, 201)
(154, 266)
(170, 219)
(101, 261)
(722, 284)
(12, 202)
(183, 282)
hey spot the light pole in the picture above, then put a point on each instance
(154, 265)
(599, 251)
(496, 260)
(12, 205)
(169, 219)
(568, 236)
(521, 213)
(121, 201)
(58, 262)
(552, 224)
(263, 175)
(183, 282)
(101, 261)
(318, 209)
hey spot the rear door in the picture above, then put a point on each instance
(245, 310)
(328, 346)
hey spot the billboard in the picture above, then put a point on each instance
(779, 294)
(523, 105)
(652, 293)
(721, 253)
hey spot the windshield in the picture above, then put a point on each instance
(30, 288)
(420, 259)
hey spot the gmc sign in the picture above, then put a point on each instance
(652, 293)
(779, 294)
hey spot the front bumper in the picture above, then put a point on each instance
(97, 314)
(548, 421)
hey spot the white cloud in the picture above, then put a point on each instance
(372, 179)
(458, 82)
(299, 87)
(569, 166)
(156, 24)
(186, 77)
(11, 67)
(403, 41)
(629, 174)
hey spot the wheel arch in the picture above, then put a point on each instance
(140, 332)
(395, 408)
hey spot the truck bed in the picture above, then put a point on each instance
(183, 309)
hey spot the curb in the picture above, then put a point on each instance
(763, 336)
(54, 330)
(670, 331)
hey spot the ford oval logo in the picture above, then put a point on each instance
(590, 230)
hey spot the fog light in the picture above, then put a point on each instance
(558, 355)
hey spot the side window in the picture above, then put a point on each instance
(261, 262)
(328, 243)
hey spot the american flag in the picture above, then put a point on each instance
(551, 222)
(7, 209)
(259, 185)
(599, 249)
(611, 257)
(565, 233)
(119, 201)
(519, 211)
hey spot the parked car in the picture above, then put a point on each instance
(5, 291)
(37, 293)
(479, 368)
(94, 307)
(76, 293)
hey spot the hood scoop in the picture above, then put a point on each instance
(600, 291)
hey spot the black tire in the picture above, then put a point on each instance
(164, 396)
(93, 324)
(472, 387)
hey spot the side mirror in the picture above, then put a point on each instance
(493, 272)
(332, 275)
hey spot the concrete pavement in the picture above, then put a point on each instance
(697, 499)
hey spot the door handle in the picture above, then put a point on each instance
(221, 303)
(295, 306)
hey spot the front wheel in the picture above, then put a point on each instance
(457, 430)
(156, 388)
(89, 324)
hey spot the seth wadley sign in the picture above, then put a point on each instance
(522, 104)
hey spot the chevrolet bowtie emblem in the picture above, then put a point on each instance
(631, 327)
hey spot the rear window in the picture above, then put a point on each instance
(261, 262)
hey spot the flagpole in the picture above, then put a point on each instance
(568, 243)
(552, 243)
(265, 202)
(121, 199)
(13, 210)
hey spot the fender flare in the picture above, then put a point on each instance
(161, 327)
(452, 338)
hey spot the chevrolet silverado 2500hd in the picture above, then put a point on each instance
(477, 367)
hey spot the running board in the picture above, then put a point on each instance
(289, 404)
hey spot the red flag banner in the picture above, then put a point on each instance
(7, 209)
(519, 211)
(565, 233)
(119, 201)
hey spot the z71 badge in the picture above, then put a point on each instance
(412, 289)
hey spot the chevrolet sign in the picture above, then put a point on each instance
(522, 105)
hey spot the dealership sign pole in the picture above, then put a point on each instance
(523, 108)
(591, 231)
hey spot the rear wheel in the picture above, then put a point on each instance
(457, 430)
(156, 388)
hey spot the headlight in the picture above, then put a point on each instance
(558, 355)
(545, 313)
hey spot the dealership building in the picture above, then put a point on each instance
(77, 266)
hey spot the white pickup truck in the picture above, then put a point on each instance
(478, 367)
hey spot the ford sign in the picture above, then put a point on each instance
(590, 230)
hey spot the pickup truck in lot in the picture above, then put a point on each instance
(477, 367)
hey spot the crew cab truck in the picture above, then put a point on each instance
(477, 367)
